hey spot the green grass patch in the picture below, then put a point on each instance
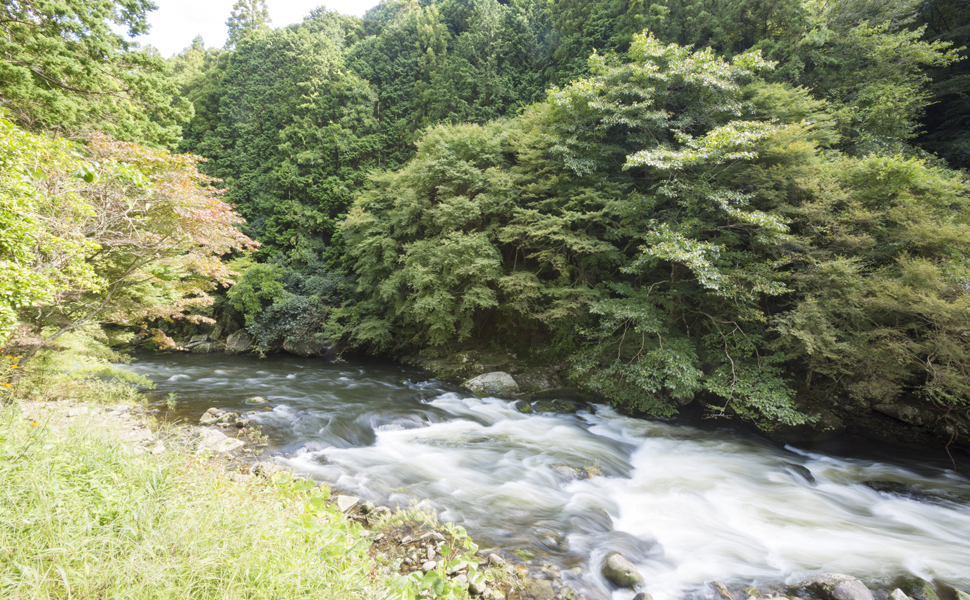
(81, 516)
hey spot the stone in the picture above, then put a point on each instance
(305, 349)
(545, 406)
(906, 413)
(835, 586)
(523, 407)
(898, 594)
(255, 400)
(920, 589)
(429, 566)
(498, 595)
(495, 560)
(720, 591)
(238, 342)
(541, 590)
(205, 348)
(961, 595)
(621, 572)
(497, 383)
(476, 588)
(568, 473)
(346, 503)
(643, 596)
(217, 442)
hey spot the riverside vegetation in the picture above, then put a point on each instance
(755, 206)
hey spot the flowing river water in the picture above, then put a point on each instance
(688, 505)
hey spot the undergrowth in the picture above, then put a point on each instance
(83, 517)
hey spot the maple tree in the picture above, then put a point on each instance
(124, 234)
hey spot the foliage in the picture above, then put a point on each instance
(288, 298)
(247, 17)
(65, 68)
(455, 242)
(24, 214)
(294, 136)
(126, 234)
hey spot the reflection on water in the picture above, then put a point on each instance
(688, 506)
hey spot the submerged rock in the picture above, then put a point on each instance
(523, 407)
(621, 572)
(920, 589)
(835, 586)
(497, 383)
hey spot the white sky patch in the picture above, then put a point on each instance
(176, 22)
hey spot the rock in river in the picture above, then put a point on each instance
(835, 586)
(238, 342)
(497, 383)
(621, 572)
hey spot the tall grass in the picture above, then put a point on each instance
(81, 516)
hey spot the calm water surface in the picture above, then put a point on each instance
(687, 505)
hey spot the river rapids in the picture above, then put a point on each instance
(687, 505)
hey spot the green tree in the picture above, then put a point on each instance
(65, 69)
(122, 234)
(247, 17)
(295, 135)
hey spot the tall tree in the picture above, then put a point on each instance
(247, 17)
(64, 67)
(296, 135)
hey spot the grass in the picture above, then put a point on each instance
(81, 516)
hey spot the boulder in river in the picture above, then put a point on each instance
(835, 586)
(306, 349)
(920, 589)
(238, 342)
(497, 383)
(523, 407)
(621, 572)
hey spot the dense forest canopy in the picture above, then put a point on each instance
(761, 204)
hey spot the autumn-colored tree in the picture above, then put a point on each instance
(124, 234)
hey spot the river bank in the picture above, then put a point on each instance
(222, 468)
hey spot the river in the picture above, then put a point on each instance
(687, 504)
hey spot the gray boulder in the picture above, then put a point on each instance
(497, 383)
(835, 586)
(305, 349)
(205, 348)
(898, 594)
(217, 442)
(621, 572)
(238, 342)
(346, 503)
(906, 413)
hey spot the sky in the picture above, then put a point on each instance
(176, 22)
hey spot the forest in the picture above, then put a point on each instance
(760, 204)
